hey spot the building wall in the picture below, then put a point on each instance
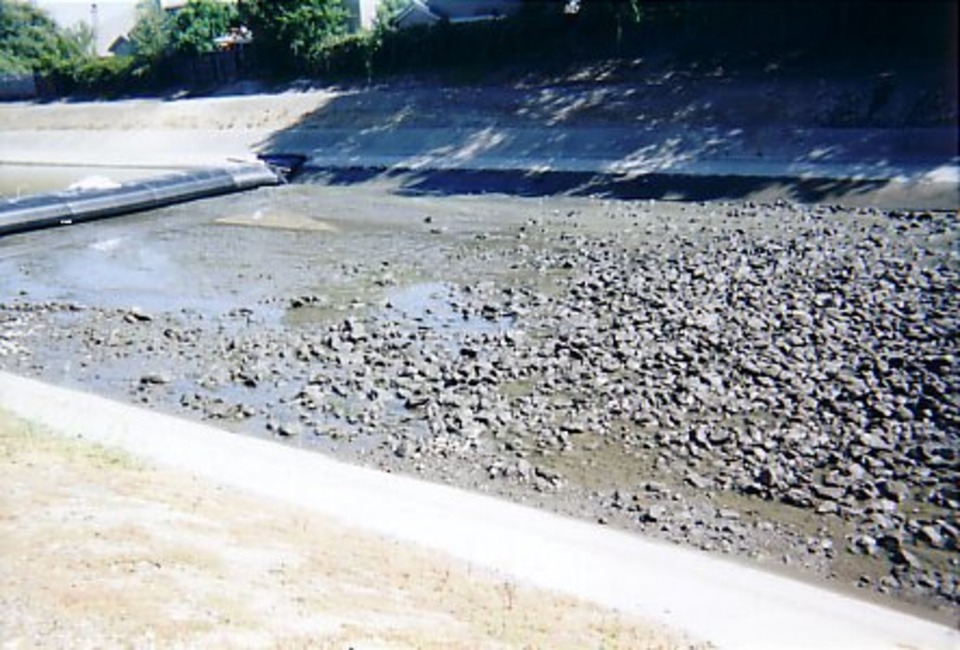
(368, 12)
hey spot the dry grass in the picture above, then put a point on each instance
(100, 550)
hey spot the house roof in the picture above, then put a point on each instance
(168, 5)
(416, 13)
(428, 12)
(454, 10)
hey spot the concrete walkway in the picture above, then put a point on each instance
(709, 598)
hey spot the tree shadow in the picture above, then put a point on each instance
(643, 130)
(673, 187)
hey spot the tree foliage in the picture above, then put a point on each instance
(291, 34)
(199, 23)
(151, 36)
(83, 38)
(311, 37)
(30, 41)
(387, 13)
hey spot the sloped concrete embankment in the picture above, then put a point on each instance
(869, 140)
(890, 147)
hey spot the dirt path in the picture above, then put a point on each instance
(101, 549)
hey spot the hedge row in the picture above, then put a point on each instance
(724, 31)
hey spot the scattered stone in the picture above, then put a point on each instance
(797, 497)
(155, 379)
(894, 490)
(826, 492)
(931, 536)
(903, 556)
(654, 513)
(698, 482)
(289, 429)
(524, 469)
(796, 355)
(136, 315)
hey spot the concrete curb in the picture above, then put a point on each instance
(708, 598)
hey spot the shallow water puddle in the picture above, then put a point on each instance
(437, 305)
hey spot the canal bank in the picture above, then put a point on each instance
(726, 604)
(479, 341)
(881, 140)
(526, 335)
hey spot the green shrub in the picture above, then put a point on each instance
(290, 35)
(152, 35)
(198, 23)
(104, 76)
(30, 41)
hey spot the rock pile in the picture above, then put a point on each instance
(769, 380)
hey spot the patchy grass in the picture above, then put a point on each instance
(102, 549)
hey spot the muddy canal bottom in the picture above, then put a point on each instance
(735, 377)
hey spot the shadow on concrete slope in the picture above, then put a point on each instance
(653, 131)
(440, 182)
